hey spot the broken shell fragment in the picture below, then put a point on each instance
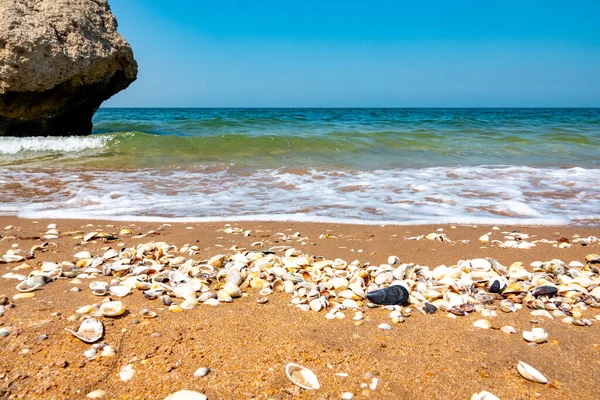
(119, 291)
(302, 376)
(89, 331)
(530, 373)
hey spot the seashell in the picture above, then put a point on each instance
(96, 394)
(224, 297)
(112, 309)
(83, 254)
(508, 329)
(484, 395)
(212, 302)
(545, 290)
(177, 277)
(530, 373)
(262, 299)
(391, 295)
(201, 372)
(542, 313)
(185, 291)
(126, 373)
(496, 285)
(316, 305)
(90, 330)
(480, 264)
(385, 327)
(536, 335)
(232, 290)
(32, 283)
(87, 309)
(145, 313)
(89, 236)
(302, 376)
(186, 395)
(289, 286)
(119, 291)
(482, 324)
(189, 304)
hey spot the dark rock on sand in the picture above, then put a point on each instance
(393, 295)
(59, 60)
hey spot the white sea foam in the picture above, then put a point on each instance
(72, 144)
(483, 195)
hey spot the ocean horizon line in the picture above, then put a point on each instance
(346, 108)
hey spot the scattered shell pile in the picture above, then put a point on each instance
(181, 281)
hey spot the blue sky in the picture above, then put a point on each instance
(349, 53)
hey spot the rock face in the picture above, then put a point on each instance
(59, 60)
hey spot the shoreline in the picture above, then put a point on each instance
(246, 345)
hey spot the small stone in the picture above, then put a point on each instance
(75, 289)
(42, 337)
(136, 321)
(347, 396)
(200, 372)
(62, 363)
(155, 335)
(4, 332)
(385, 327)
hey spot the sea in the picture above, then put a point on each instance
(373, 166)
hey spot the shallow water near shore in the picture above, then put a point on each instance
(401, 166)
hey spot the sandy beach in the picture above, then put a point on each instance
(246, 345)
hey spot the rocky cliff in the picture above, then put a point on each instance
(59, 60)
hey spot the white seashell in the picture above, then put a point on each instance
(385, 327)
(189, 304)
(96, 394)
(89, 236)
(186, 395)
(185, 291)
(232, 289)
(536, 335)
(316, 305)
(482, 324)
(177, 277)
(200, 372)
(126, 373)
(89, 331)
(302, 376)
(83, 254)
(119, 291)
(508, 329)
(542, 313)
(530, 373)
(212, 302)
(484, 395)
(480, 264)
(112, 309)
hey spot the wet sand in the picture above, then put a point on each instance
(246, 345)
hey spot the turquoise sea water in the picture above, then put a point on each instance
(373, 165)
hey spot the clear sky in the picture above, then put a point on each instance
(326, 53)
